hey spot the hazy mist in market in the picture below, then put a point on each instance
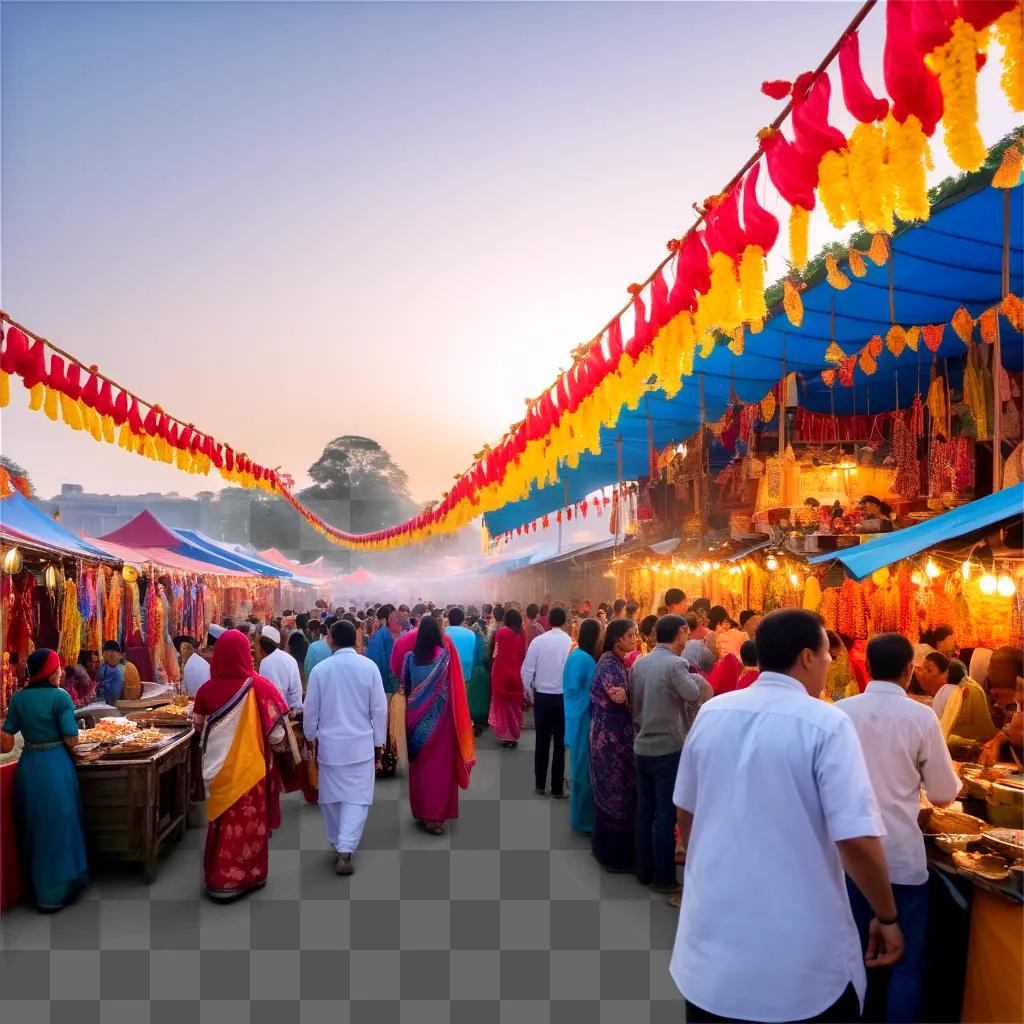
(288, 222)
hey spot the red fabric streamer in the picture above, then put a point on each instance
(913, 88)
(723, 232)
(792, 172)
(761, 226)
(778, 89)
(814, 135)
(861, 102)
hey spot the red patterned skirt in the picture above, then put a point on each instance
(238, 847)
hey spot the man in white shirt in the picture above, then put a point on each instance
(774, 802)
(904, 750)
(280, 667)
(932, 673)
(346, 715)
(195, 669)
(542, 681)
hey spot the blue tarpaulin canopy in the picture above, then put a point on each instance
(952, 260)
(887, 548)
(246, 562)
(21, 522)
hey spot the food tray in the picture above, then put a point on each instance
(143, 704)
(160, 718)
(116, 754)
(1007, 841)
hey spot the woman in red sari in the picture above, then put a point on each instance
(507, 694)
(240, 720)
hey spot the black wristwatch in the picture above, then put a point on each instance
(891, 920)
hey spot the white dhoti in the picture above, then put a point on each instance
(345, 795)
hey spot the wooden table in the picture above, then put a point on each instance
(136, 807)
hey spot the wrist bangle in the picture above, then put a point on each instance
(890, 921)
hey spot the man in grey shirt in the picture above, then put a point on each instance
(697, 652)
(665, 694)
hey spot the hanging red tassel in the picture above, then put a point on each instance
(641, 328)
(979, 14)
(73, 382)
(761, 226)
(15, 355)
(778, 89)
(134, 419)
(91, 391)
(105, 400)
(813, 134)
(660, 313)
(930, 23)
(615, 342)
(33, 370)
(150, 423)
(56, 378)
(913, 88)
(694, 258)
(793, 173)
(723, 232)
(860, 100)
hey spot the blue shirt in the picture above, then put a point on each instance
(109, 683)
(318, 651)
(465, 641)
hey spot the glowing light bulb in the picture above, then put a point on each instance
(681, 450)
(794, 579)
(965, 570)
(988, 583)
(932, 570)
(1006, 587)
(771, 563)
(717, 565)
(916, 578)
(705, 567)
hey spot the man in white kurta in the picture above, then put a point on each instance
(346, 713)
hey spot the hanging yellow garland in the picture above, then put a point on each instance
(1013, 309)
(799, 226)
(70, 640)
(1010, 33)
(1008, 173)
(737, 342)
(956, 63)
(834, 354)
(870, 177)
(896, 340)
(792, 303)
(5, 389)
(835, 189)
(752, 305)
(988, 325)
(913, 337)
(910, 159)
(867, 362)
(768, 405)
(835, 276)
(857, 265)
(878, 252)
(963, 324)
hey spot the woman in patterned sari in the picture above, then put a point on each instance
(240, 719)
(612, 768)
(439, 731)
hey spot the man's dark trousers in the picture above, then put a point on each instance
(656, 818)
(549, 719)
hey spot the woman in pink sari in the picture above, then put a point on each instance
(240, 719)
(507, 694)
(439, 731)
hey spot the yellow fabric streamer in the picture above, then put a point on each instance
(835, 189)
(36, 396)
(50, 404)
(799, 226)
(5, 389)
(957, 68)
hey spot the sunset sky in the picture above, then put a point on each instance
(289, 222)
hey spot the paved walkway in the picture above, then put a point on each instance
(505, 919)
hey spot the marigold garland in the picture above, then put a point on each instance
(1008, 173)
(792, 303)
(878, 252)
(752, 304)
(768, 406)
(835, 276)
(963, 323)
(857, 265)
(1009, 31)
(834, 354)
(933, 335)
(957, 67)
(867, 362)
(910, 159)
(799, 226)
(1013, 309)
(988, 325)
(835, 189)
(896, 340)
(871, 178)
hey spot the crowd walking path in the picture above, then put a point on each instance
(507, 918)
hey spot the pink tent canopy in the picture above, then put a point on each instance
(144, 531)
(358, 578)
(159, 556)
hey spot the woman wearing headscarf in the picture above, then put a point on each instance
(438, 729)
(239, 716)
(478, 686)
(507, 694)
(612, 766)
(840, 681)
(576, 679)
(646, 642)
(47, 801)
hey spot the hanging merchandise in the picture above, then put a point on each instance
(70, 643)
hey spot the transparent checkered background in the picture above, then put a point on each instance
(506, 918)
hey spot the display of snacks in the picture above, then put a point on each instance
(943, 821)
(989, 866)
(1006, 841)
(107, 730)
(140, 740)
(952, 843)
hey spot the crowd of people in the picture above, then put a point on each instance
(651, 725)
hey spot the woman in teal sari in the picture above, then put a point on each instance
(576, 679)
(47, 801)
(478, 686)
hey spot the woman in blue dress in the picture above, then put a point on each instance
(47, 801)
(576, 679)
